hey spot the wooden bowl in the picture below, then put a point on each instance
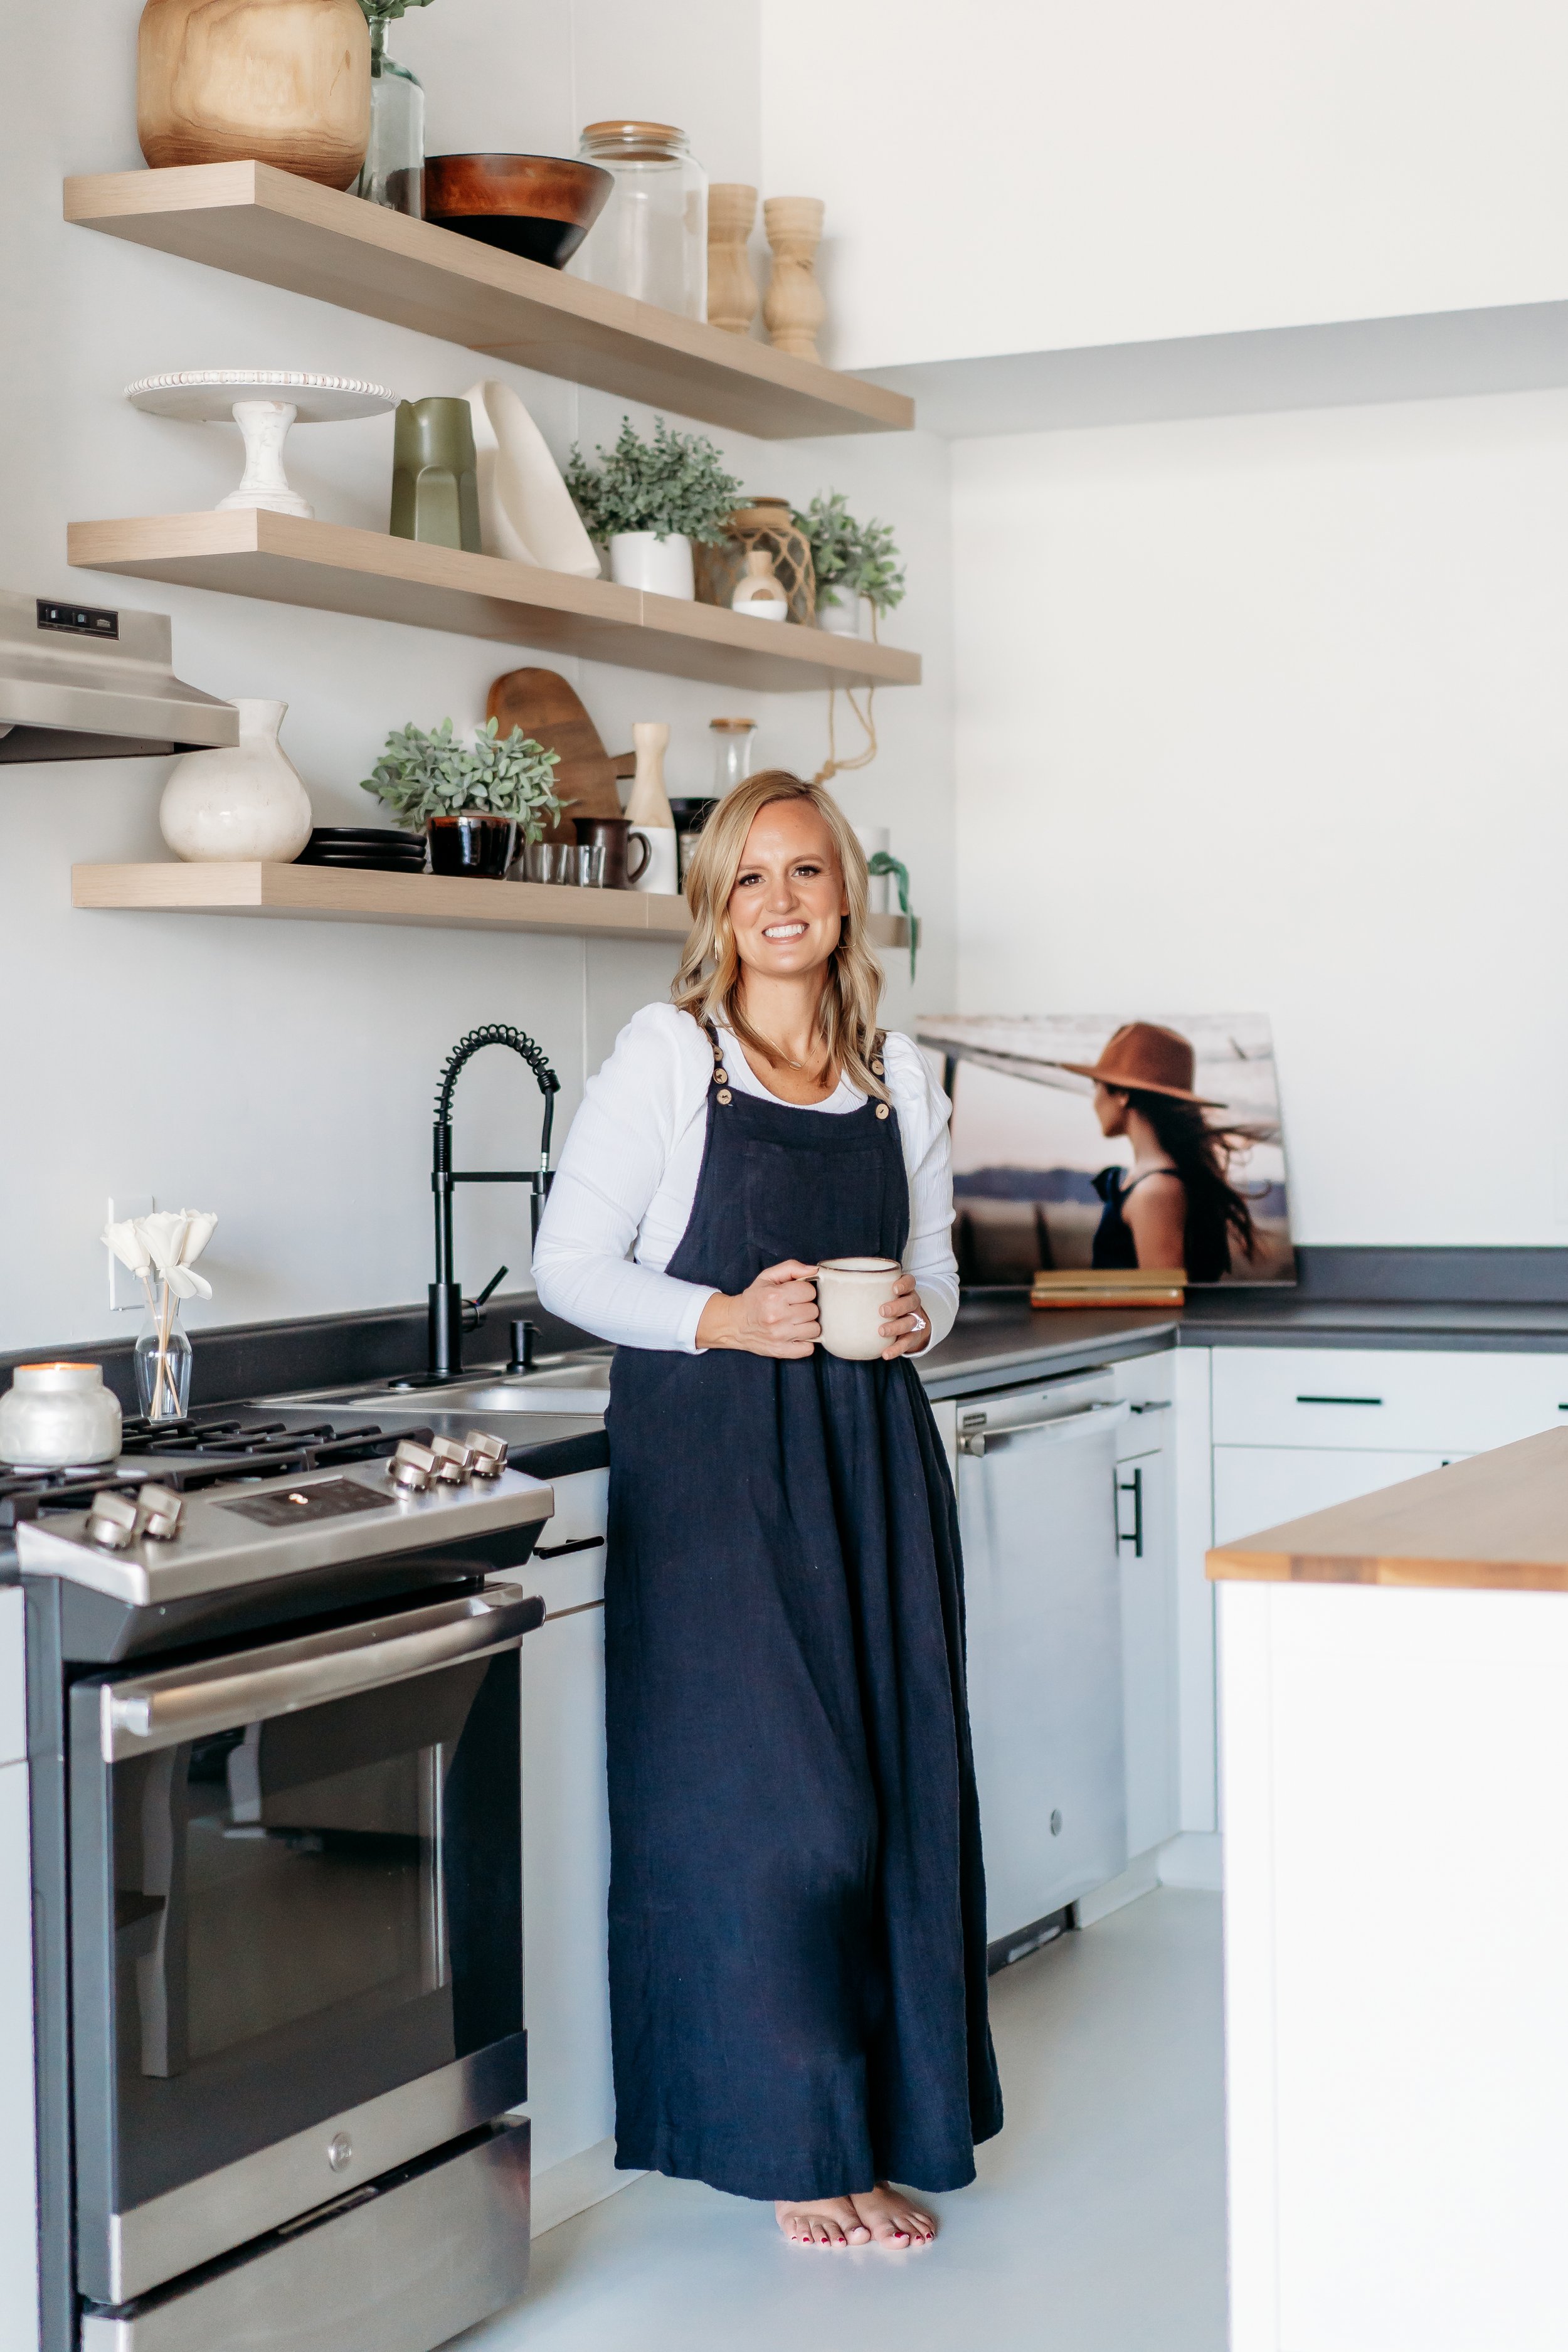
(540, 206)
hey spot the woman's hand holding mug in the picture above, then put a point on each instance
(905, 1324)
(776, 1317)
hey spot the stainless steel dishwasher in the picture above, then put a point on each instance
(1036, 1500)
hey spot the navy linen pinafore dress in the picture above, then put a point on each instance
(797, 1909)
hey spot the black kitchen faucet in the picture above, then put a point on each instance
(450, 1313)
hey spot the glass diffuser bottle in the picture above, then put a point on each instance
(393, 173)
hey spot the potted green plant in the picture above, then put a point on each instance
(647, 501)
(470, 800)
(851, 560)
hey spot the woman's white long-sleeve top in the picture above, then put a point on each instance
(622, 1196)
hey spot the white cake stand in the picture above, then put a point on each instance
(264, 402)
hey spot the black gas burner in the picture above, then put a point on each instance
(191, 1454)
(36, 1494)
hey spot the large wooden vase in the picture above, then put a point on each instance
(282, 81)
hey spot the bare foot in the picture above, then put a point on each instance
(892, 2219)
(822, 2222)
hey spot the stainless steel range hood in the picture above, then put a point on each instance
(86, 682)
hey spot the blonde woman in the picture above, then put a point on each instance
(797, 1915)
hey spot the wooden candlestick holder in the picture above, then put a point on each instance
(732, 291)
(795, 307)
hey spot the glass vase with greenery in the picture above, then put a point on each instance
(851, 560)
(420, 776)
(394, 170)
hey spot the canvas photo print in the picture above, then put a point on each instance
(1086, 1140)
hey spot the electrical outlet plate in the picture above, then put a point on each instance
(125, 1292)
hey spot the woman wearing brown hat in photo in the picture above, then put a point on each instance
(1175, 1206)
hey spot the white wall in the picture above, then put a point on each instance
(283, 1073)
(1023, 175)
(1269, 712)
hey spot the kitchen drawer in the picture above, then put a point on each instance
(1385, 1399)
(1259, 1486)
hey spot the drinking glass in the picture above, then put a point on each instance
(590, 872)
(547, 861)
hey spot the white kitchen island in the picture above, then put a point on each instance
(1394, 1777)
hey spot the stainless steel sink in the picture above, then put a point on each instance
(578, 1384)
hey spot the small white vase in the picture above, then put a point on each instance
(247, 803)
(660, 567)
(758, 594)
(838, 614)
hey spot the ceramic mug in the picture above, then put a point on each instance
(851, 1293)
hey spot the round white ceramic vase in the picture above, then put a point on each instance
(247, 803)
(55, 1415)
(660, 567)
(837, 613)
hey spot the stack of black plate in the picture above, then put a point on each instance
(369, 848)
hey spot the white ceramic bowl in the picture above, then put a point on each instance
(850, 1294)
(54, 1415)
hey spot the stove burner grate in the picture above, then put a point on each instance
(191, 1456)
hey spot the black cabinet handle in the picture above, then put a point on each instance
(1134, 1534)
(578, 1543)
(1334, 1399)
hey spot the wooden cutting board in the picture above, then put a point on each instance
(545, 706)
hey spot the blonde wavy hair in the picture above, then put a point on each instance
(707, 981)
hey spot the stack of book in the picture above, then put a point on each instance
(1133, 1287)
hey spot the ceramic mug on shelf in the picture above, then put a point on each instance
(851, 1293)
(660, 870)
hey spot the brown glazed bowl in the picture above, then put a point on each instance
(539, 206)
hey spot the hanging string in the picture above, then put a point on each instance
(835, 766)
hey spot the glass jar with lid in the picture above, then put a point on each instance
(651, 239)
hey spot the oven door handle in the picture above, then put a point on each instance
(1060, 1425)
(190, 1703)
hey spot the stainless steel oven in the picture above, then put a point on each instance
(296, 1926)
(292, 2000)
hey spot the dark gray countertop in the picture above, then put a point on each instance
(1004, 1338)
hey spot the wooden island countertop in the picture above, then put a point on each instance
(1495, 1523)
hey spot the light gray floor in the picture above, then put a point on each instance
(1097, 2221)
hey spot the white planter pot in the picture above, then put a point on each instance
(58, 1414)
(875, 839)
(247, 803)
(660, 567)
(839, 615)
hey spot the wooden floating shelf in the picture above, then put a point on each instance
(263, 223)
(329, 567)
(440, 901)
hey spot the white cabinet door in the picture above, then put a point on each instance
(18, 2218)
(566, 1878)
(1145, 1536)
(1259, 1486)
(13, 1679)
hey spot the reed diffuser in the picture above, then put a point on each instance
(160, 1251)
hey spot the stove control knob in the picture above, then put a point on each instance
(111, 1520)
(339, 2151)
(452, 1464)
(158, 1511)
(487, 1453)
(411, 1466)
